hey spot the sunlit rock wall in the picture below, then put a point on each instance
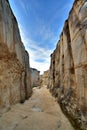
(44, 78)
(15, 76)
(68, 69)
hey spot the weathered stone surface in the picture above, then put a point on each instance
(27, 80)
(15, 83)
(35, 77)
(68, 69)
(44, 78)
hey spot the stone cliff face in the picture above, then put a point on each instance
(15, 76)
(68, 69)
(44, 78)
(35, 77)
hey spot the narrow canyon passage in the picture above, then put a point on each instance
(40, 112)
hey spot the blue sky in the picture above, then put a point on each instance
(40, 23)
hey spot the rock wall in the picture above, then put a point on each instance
(35, 77)
(68, 69)
(15, 80)
(44, 78)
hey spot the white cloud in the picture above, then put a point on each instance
(24, 7)
(44, 31)
(36, 53)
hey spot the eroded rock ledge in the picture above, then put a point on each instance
(15, 79)
(68, 69)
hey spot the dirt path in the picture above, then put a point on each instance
(40, 112)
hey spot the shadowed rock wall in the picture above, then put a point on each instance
(35, 77)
